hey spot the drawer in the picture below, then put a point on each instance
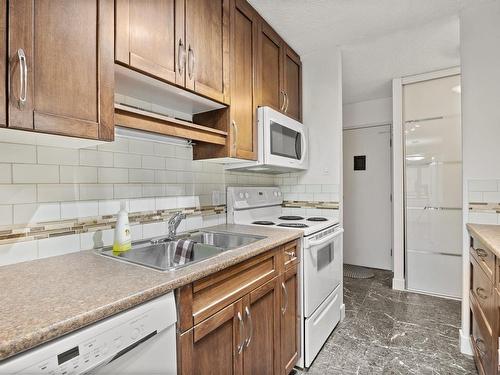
(482, 342)
(484, 257)
(217, 291)
(291, 255)
(481, 288)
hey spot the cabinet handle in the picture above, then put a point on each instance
(181, 57)
(235, 137)
(282, 106)
(481, 253)
(480, 292)
(191, 62)
(285, 292)
(480, 346)
(241, 345)
(249, 318)
(291, 254)
(23, 75)
(286, 101)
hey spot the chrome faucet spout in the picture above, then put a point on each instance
(173, 224)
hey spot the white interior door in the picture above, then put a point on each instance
(367, 197)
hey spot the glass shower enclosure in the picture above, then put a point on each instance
(433, 186)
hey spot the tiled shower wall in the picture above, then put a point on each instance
(484, 201)
(41, 184)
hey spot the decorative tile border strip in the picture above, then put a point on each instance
(311, 204)
(38, 231)
(484, 206)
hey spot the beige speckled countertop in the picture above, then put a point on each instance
(43, 299)
(489, 235)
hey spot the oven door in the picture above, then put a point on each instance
(285, 140)
(322, 268)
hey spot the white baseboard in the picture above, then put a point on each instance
(465, 345)
(342, 312)
(398, 284)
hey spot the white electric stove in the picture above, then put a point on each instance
(321, 260)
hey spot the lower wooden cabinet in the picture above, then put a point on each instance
(256, 332)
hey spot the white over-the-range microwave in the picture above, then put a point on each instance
(282, 144)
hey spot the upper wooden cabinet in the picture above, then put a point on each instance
(150, 37)
(60, 67)
(207, 48)
(3, 59)
(185, 42)
(280, 74)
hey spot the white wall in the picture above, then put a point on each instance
(368, 112)
(480, 56)
(322, 108)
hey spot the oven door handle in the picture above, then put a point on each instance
(324, 239)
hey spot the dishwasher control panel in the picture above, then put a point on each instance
(98, 344)
(96, 350)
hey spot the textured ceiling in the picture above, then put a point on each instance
(380, 39)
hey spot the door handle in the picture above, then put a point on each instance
(481, 293)
(241, 345)
(282, 106)
(235, 137)
(285, 292)
(481, 253)
(181, 57)
(286, 101)
(23, 77)
(249, 318)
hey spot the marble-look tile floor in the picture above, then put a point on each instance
(391, 332)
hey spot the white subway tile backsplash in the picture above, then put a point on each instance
(165, 177)
(153, 162)
(12, 194)
(483, 185)
(166, 203)
(164, 149)
(151, 230)
(313, 188)
(5, 173)
(53, 246)
(96, 191)
(140, 147)
(72, 210)
(142, 204)
(35, 173)
(475, 196)
(18, 252)
(141, 175)
(96, 158)
(36, 213)
(493, 197)
(118, 145)
(5, 215)
(153, 190)
(58, 192)
(188, 201)
(17, 153)
(127, 161)
(184, 152)
(127, 191)
(113, 175)
(110, 207)
(483, 217)
(78, 175)
(56, 155)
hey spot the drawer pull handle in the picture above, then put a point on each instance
(481, 253)
(285, 292)
(249, 318)
(241, 345)
(481, 293)
(480, 346)
(291, 254)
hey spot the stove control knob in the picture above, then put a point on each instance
(275, 193)
(279, 193)
(247, 195)
(241, 195)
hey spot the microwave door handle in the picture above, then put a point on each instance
(304, 146)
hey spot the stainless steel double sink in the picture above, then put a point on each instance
(158, 253)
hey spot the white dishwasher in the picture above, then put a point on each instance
(141, 340)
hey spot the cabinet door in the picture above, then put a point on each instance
(290, 319)
(150, 37)
(218, 343)
(292, 84)
(3, 60)
(207, 41)
(262, 341)
(270, 68)
(61, 76)
(243, 135)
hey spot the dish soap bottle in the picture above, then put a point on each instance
(123, 239)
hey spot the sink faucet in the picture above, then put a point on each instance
(173, 223)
